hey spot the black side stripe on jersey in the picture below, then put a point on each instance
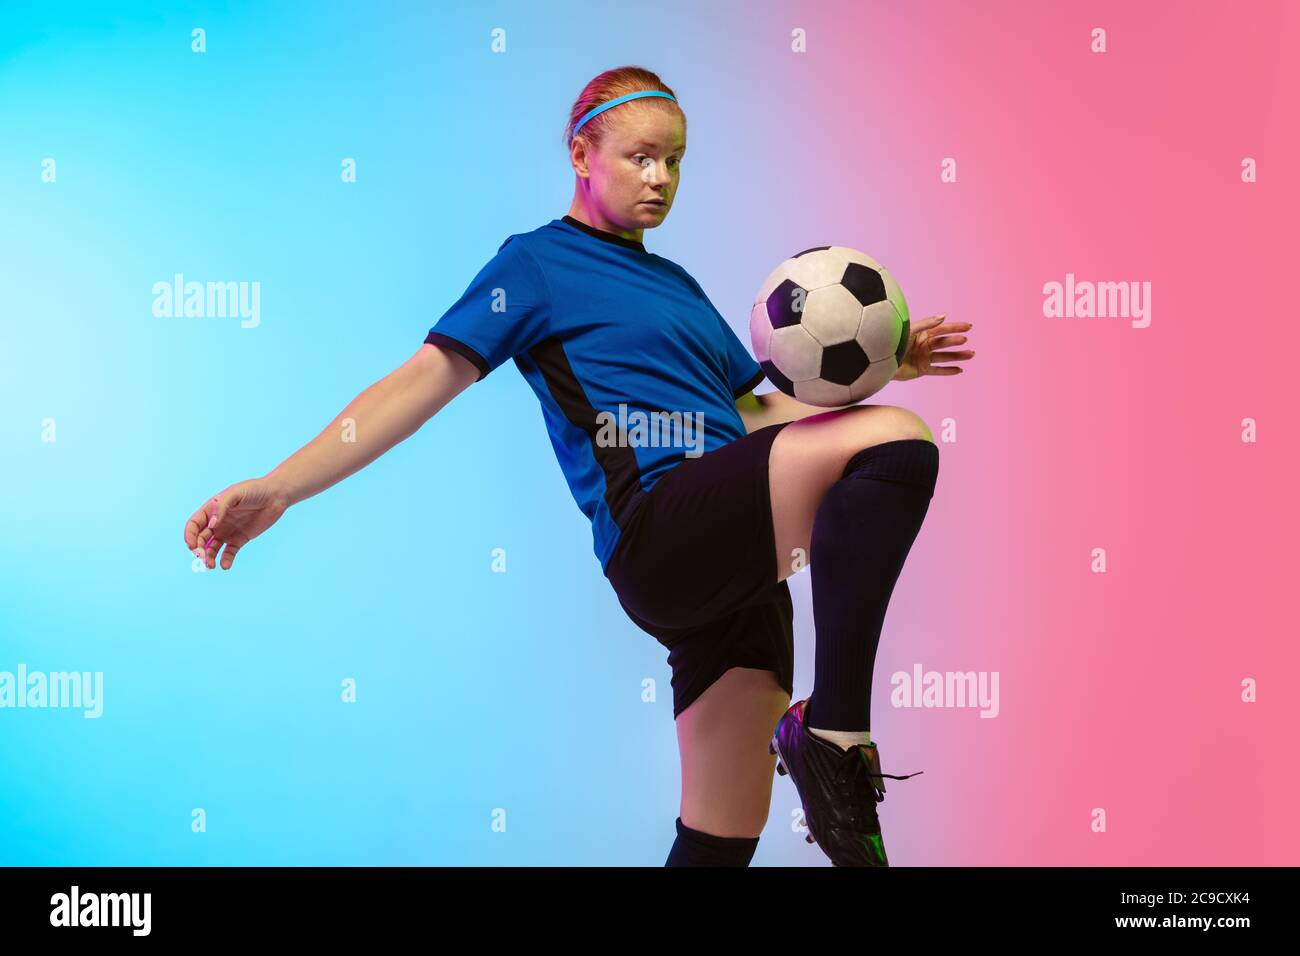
(617, 462)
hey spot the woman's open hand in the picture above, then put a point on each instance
(926, 336)
(233, 517)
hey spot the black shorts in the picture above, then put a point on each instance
(695, 567)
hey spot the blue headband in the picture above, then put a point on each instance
(619, 99)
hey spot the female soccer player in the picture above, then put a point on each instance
(696, 542)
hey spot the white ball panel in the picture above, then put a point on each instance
(877, 376)
(796, 353)
(832, 314)
(760, 332)
(812, 270)
(895, 294)
(880, 330)
(818, 391)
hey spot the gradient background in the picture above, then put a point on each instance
(522, 690)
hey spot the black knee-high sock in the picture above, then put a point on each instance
(862, 533)
(697, 848)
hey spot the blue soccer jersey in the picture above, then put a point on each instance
(634, 368)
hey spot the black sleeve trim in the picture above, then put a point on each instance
(751, 384)
(456, 345)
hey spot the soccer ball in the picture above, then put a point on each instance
(829, 326)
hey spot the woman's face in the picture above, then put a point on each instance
(638, 160)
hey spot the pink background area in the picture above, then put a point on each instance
(1120, 691)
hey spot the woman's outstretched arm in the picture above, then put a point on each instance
(386, 413)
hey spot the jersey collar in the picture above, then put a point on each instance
(602, 234)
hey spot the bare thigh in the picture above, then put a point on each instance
(726, 769)
(723, 735)
(809, 455)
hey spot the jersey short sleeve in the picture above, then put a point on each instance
(503, 312)
(744, 372)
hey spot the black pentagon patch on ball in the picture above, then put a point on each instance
(806, 251)
(776, 378)
(902, 342)
(843, 363)
(864, 282)
(781, 310)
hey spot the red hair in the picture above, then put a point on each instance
(610, 85)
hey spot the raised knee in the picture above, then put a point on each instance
(894, 423)
(910, 425)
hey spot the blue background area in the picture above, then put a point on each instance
(476, 690)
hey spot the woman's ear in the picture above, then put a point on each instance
(578, 157)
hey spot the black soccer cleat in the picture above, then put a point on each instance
(839, 790)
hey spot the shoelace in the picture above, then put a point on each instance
(862, 800)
